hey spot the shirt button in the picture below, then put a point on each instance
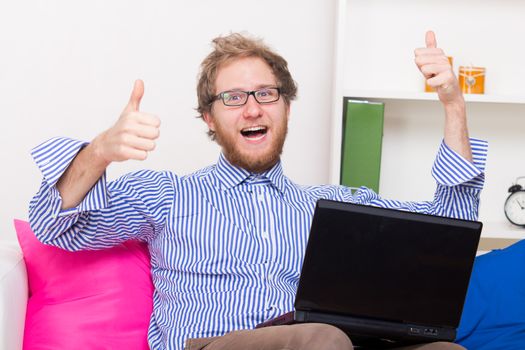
(265, 235)
(261, 197)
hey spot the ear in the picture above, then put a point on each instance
(208, 119)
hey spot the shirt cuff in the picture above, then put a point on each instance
(53, 157)
(451, 169)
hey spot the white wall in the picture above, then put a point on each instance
(67, 68)
(383, 35)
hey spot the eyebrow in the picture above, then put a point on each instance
(257, 87)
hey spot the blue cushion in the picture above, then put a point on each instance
(494, 312)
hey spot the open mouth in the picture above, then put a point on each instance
(254, 132)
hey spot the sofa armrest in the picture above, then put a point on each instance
(13, 295)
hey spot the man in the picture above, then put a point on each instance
(227, 241)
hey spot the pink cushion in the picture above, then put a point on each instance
(86, 300)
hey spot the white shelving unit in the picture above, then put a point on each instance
(429, 96)
(374, 47)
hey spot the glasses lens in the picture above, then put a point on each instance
(234, 98)
(267, 95)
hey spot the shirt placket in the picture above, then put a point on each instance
(266, 232)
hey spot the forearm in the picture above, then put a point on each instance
(82, 174)
(456, 130)
(459, 184)
(134, 206)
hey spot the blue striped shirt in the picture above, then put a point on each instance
(226, 245)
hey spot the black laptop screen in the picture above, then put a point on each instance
(387, 264)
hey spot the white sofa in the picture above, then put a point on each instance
(13, 295)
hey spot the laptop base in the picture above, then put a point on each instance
(368, 332)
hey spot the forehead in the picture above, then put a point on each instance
(245, 73)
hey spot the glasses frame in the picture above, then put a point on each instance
(248, 94)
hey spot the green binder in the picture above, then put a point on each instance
(361, 149)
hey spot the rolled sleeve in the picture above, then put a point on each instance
(53, 157)
(135, 206)
(451, 169)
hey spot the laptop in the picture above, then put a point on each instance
(384, 275)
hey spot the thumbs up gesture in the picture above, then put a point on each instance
(437, 70)
(132, 136)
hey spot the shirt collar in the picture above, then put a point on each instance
(231, 176)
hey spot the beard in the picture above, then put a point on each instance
(254, 163)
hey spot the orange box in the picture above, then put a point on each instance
(472, 79)
(429, 88)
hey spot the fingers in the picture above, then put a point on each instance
(140, 143)
(142, 126)
(128, 153)
(431, 65)
(135, 98)
(428, 52)
(430, 40)
(145, 119)
(443, 80)
(437, 70)
(137, 124)
(431, 60)
(134, 133)
(129, 140)
(431, 70)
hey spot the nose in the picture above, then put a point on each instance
(252, 108)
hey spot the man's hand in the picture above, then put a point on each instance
(132, 136)
(436, 68)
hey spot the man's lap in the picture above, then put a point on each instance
(308, 336)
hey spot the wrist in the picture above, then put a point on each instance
(96, 155)
(455, 107)
(457, 102)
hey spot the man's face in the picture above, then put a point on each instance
(251, 136)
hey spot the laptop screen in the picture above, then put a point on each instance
(387, 264)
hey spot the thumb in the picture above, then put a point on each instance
(430, 39)
(136, 96)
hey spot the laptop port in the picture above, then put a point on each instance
(414, 330)
(430, 331)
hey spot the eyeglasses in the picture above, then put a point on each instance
(239, 98)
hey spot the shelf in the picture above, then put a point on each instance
(376, 64)
(502, 230)
(429, 96)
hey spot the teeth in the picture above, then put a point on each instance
(254, 128)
